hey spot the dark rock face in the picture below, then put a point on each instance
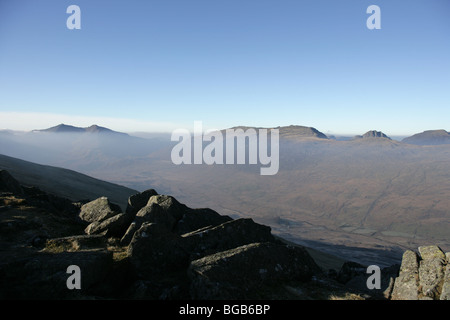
(138, 201)
(248, 271)
(155, 251)
(172, 214)
(231, 234)
(111, 227)
(423, 277)
(195, 219)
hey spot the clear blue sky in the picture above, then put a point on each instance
(150, 65)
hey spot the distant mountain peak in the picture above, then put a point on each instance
(64, 128)
(292, 132)
(373, 134)
(429, 137)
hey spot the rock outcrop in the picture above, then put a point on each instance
(423, 276)
(160, 248)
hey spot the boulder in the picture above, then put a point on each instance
(152, 213)
(431, 271)
(138, 201)
(249, 271)
(424, 277)
(156, 252)
(114, 226)
(406, 286)
(170, 204)
(445, 294)
(99, 210)
(195, 219)
(228, 235)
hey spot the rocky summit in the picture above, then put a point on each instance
(159, 248)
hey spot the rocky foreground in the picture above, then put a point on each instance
(161, 249)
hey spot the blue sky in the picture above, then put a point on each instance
(162, 64)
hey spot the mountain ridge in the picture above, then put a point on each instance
(64, 128)
(429, 137)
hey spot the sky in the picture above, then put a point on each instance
(159, 65)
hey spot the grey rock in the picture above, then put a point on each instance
(154, 213)
(128, 236)
(431, 272)
(249, 271)
(138, 201)
(431, 253)
(157, 252)
(98, 210)
(169, 204)
(406, 286)
(115, 226)
(226, 236)
(195, 219)
(445, 294)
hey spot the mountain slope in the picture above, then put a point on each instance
(63, 182)
(429, 137)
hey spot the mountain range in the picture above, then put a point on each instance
(366, 199)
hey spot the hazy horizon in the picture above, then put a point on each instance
(144, 133)
(158, 66)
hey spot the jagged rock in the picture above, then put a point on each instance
(423, 279)
(195, 219)
(152, 213)
(9, 184)
(170, 204)
(99, 210)
(226, 236)
(406, 286)
(431, 271)
(249, 271)
(138, 201)
(431, 252)
(156, 214)
(174, 215)
(155, 251)
(445, 294)
(128, 236)
(114, 226)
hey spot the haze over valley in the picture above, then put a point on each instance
(365, 199)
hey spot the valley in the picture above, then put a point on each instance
(366, 199)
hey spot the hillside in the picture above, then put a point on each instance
(63, 182)
(429, 137)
